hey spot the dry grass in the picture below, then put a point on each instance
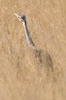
(22, 75)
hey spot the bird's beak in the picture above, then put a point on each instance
(16, 15)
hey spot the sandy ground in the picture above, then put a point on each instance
(22, 75)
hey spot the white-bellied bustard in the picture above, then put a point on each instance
(42, 57)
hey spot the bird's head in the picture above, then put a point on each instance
(21, 17)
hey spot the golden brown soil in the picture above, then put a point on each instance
(22, 75)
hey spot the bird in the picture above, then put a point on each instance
(43, 57)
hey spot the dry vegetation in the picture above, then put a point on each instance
(22, 76)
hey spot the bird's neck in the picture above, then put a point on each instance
(27, 34)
